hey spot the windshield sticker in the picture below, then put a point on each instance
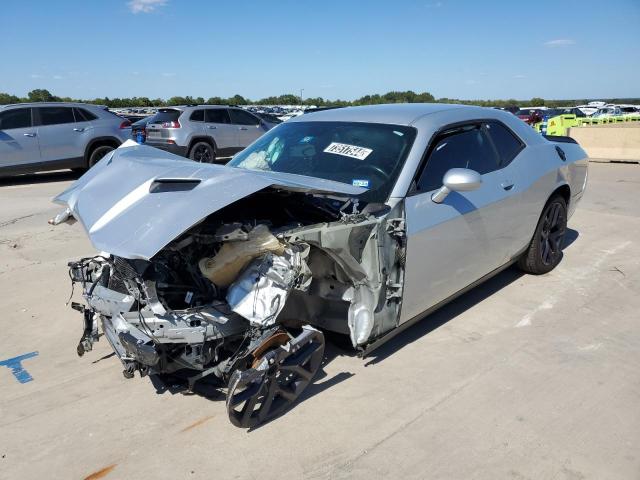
(353, 151)
(360, 182)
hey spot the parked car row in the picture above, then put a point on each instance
(52, 136)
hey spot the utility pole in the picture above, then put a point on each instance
(301, 100)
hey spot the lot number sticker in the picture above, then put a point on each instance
(359, 153)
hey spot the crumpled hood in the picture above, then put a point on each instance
(138, 199)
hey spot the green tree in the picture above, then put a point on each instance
(177, 101)
(237, 100)
(5, 99)
(41, 95)
(537, 102)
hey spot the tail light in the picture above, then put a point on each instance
(125, 124)
(171, 124)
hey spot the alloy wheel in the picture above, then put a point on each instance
(552, 234)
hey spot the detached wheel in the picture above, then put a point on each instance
(545, 251)
(98, 153)
(202, 152)
(277, 378)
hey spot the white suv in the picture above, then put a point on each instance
(204, 133)
(54, 136)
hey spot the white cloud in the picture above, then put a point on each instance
(560, 42)
(58, 77)
(145, 6)
(35, 75)
(434, 5)
(169, 74)
(471, 82)
(519, 76)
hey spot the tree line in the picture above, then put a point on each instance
(43, 95)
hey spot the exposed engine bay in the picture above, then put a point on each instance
(244, 294)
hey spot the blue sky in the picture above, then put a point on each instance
(334, 49)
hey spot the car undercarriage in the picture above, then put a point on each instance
(244, 295)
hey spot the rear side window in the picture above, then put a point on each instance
(506, 143)
(240, 117)
(464, 147)
(83, 115)
(216, 115)
(197, 116)
(55, 115)
(16, 118)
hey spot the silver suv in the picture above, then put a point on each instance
(204, 133)
(54, 136)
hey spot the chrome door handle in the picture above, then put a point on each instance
(507, 185)
(244, 128)
(78, 129)
(29, 134)
(211, 127)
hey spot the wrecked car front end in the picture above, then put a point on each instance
(241, 284)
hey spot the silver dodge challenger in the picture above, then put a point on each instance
(359, 221)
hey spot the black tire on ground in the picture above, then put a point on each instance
(202, 152)
(545, 250)
(98, 153)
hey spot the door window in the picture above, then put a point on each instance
(216, 115)
(55, 115)
(506, 143)
(240, 117)
(462, 147)
(16, 118)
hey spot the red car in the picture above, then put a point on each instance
(530, 117)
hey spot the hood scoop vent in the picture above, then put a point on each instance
(161, 185)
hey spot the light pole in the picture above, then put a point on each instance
(301, 100)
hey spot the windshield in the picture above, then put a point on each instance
(368, 155)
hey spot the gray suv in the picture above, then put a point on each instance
(54, 136)
(204, 133)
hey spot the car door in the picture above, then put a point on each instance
(58, 135)
(249, 126)
(218, 126)
(18, 138)
(516, 229)
(452, 244)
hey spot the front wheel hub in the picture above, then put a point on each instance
(275, 381)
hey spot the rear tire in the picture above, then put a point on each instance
(545, 250)
(202, 152)
(98, 153)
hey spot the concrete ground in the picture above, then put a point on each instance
(522, 378)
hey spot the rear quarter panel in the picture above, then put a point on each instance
(537, 172)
